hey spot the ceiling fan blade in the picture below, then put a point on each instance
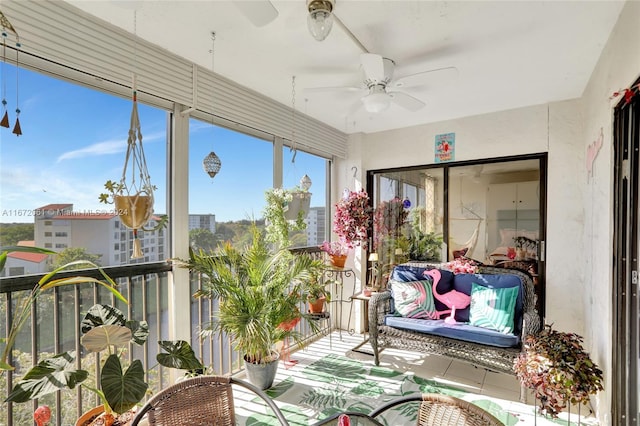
(406, 101)
(259, 12)
(373, 66)
(333, 89)
(437, 76)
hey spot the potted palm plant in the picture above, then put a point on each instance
(259, 289)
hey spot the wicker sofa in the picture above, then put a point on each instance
(496, 358)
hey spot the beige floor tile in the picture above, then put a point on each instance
(468, 372)
(501, 380)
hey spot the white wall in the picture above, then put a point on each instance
(579, 219)
(579, 229)
(553, 128)
(618, 67)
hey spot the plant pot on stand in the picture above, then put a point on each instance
(338, 261)
(316, 306)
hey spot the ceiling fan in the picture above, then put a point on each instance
(380, 89)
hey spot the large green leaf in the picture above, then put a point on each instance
(122, 391)
(139, 330)
(48, 376)
(99, 315)
(179, 355)
(99, 338)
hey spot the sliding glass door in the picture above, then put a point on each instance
(491, 212)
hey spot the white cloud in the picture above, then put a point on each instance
(106, 147)
(97, 149)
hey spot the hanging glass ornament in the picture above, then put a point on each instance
(406, 203)
(305, 182)
(211, 164)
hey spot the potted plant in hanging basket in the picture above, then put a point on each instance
(134, 210)
(278, 227)
(559, 371)
(352, 218)
(133, 198)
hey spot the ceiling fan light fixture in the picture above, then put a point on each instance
(376, 101)
(320, 19)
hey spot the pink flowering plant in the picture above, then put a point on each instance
(352, 218)
(335, 248)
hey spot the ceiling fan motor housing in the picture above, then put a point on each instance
(371, 81)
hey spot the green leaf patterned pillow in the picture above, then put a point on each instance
(493, 308)
(414, 299)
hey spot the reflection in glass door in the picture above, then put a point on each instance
(488, 212)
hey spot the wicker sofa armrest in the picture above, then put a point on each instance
(530, 324)
(379, 306)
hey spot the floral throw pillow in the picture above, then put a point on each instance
(413, 299)
(493, 308)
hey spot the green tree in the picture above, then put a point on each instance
(71, 254)
(11, 234)
(224, 232)
(201, 238)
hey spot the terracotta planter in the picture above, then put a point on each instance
(89, 416)
(338, 261)
(317, 307)
(134, 210)
(92, 417)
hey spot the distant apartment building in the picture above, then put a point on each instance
(18, 263)
(101, 234)
(315, 221)
(202, 221)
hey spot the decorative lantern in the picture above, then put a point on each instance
(211, 164)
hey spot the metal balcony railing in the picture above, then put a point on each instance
(54, 327)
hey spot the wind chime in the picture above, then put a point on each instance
(211, 162)
(6, 28)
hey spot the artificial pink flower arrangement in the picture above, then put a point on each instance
(335, 248)
(352, 218)
(461, 265)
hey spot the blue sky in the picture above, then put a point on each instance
(74, 139)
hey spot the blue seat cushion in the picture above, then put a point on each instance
(466, 332)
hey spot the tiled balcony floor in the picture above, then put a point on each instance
(479, 383)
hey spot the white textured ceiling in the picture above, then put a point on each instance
(508, 54)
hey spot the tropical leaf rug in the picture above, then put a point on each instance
(335, 383)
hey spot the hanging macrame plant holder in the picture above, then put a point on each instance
(134, 197)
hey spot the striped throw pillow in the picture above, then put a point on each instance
(413, 299)
(493, 308)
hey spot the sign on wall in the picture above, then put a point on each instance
(445, 147)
